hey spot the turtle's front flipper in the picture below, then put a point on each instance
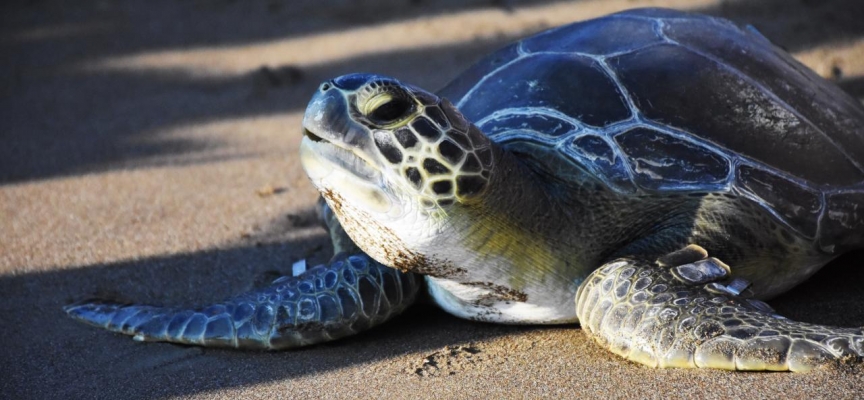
(683, 311)
(347, 296)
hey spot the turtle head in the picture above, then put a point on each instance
(401, 142)
(392, 153)
(419, 188)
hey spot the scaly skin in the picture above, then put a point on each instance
(641, 311)
(349, 295)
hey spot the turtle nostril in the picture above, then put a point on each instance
(325, 87)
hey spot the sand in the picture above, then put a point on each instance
(150, 152)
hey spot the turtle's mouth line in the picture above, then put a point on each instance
(313, 137)
(342, 158)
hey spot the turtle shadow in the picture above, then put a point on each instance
(833, 296)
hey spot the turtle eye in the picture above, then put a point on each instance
(387, 108)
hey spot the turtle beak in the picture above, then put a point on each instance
(335, 151)
(327, 118)
(333, 140)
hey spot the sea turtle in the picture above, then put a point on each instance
(601, 161)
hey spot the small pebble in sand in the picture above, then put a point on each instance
(832, 68)
(269, 190)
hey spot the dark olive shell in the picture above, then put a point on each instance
(661, 100)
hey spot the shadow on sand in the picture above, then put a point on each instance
(70, 123)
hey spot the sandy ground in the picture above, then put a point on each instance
(137, 135)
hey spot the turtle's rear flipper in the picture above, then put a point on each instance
(347, 296)
(683, 310)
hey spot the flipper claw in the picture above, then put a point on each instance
(690, 254)
(701, 271)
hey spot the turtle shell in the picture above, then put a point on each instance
(655, 100)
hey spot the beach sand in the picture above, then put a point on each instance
(149, 152)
